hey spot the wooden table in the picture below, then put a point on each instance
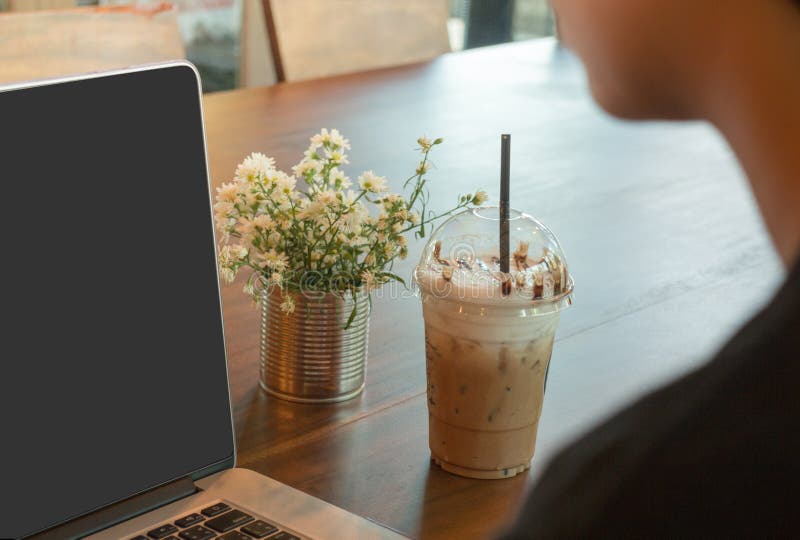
(662, 235)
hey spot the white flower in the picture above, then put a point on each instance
(273, 260)
(353, 220)
(339, 179)
(229, 257)
(424, 143)
(368, 279)
(336, 156)
(355, 241)
(223, 210)
(284, 183)
(244, 226)
(413, 217)
(249, 288)
(338, 140)
(254, 166)
(328, 197)
(237, 252)
(227, 275)
(248, 194)
(423, 167)
(276, 278)
(311, 210)
(401, 214)
(397, 227)
(333, 138)
(287, 306)
(225, 255)
(227, 192)
(402, 241)
(369, 181)
(393, 199)
(479, 198)
(264, 222)
(306, 167)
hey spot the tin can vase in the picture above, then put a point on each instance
(313, 355)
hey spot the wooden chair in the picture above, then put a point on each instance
(31, 5)
(318, 38)
(42, 44)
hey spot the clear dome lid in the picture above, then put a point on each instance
(461, 261)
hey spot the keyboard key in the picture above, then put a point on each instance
(234, 535)
(198, 532)
(163, 531)
(259, 529)
(215, 510)
(171, 538)
(189, 520)
(231, 520)
(140, 537)
(283, 535)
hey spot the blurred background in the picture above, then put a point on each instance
(241, 43)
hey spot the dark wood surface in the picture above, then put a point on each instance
(662, 235)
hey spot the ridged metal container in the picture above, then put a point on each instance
(309, 356)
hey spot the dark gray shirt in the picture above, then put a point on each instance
(716, 453)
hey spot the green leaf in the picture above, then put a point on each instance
(394, 277)
(351, 318)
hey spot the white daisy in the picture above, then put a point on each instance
(306, 167)
(339, 179)
(368, 279)
(245, 226)
(373, 183)
(287, 306)
(354, 219)
(336, 156)
(254, 166)
(328, 197)
(264, 222)
(311, 210)
(273, 260)
(227, 192)
(284, 183)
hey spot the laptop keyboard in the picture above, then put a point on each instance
(218, 521)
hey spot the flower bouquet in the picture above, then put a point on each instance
(315, 241)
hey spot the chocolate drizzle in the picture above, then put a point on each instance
(447, 273)
(539, 278)
(521, 256)
(538, 286)
(437, 252)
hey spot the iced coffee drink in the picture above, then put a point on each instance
(488, 340)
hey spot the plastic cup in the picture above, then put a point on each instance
(488, 339)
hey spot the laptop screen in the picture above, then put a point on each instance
(113, 375)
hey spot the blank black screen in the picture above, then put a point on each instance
(113, 366)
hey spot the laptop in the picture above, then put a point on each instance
(116, 412)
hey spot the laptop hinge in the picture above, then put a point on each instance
(121, 511)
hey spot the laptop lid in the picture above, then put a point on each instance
(114, 377)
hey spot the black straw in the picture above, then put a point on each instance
(505, 170)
